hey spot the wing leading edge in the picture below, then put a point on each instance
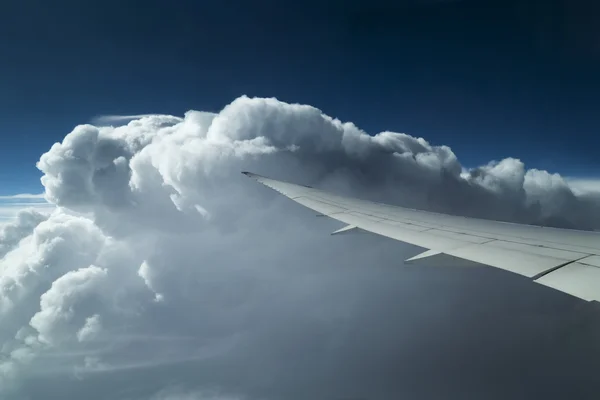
(563, 259)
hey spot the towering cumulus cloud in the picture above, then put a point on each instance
(163, 264)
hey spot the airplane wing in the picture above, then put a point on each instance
(564, 259)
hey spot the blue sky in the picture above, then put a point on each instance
(493, 81)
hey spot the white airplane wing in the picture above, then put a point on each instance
(564, 259)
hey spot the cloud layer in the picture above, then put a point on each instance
(10, 206)
(164, 272)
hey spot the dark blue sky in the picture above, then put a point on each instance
(508, 78)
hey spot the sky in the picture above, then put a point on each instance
(460, 73)
(137, 263)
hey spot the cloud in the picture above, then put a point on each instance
(103, 120)
(11, 205)
(581, 186)
(162, 271)
(22, 196)
(12, 233)
(91, 328)
(175, 394)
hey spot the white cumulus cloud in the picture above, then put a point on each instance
(161, 261)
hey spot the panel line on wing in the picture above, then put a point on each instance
(544, 273)
(358, 211)
(472, 231)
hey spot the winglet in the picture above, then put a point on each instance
(345, 229)
(425, 254)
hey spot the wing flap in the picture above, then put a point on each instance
(577, 279)
(520, 262)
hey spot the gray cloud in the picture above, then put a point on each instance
(164, 273)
